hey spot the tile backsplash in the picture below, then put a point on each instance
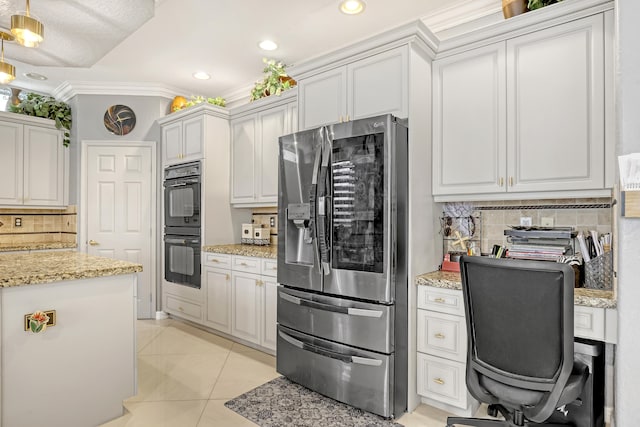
(582, 214)
(38, 225)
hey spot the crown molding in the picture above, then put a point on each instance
(69, 89)
(460, 13)
(203, 108)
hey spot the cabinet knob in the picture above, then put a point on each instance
(440, 300)
(438, 381)
(439, 336)
(180, 308)
(93, 243)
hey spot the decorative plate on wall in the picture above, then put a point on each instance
(119, 119)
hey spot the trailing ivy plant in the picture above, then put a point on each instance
(37, 105)
(275, 81)
(537, 4)
(197, 99)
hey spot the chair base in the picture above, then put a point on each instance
(515, 419)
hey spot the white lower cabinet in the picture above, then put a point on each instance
(241, 297)
(442, 351)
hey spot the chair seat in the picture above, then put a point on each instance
(518, 397)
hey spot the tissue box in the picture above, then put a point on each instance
(247, 234)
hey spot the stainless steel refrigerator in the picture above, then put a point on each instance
(342, 267)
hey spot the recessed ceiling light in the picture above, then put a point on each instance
(268, 45)
(352, 7)
(201, 75)
(35, 76)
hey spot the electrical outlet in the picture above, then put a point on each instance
(525, 221)
(546, 221)
(18, 222)
(272, 221)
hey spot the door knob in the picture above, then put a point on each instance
(93, 243)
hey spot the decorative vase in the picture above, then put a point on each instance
(513, 7)
(178, 103)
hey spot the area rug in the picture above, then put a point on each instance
(282, 403)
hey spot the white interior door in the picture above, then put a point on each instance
(120, 210)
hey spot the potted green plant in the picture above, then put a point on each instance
(537, 4)
(275, 81)
(37, 105)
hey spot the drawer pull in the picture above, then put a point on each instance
(180, 308)
(439, 381)
(243, 263)
(440, 300)
(214, 260)
(439, 336)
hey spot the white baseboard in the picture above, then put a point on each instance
(161, 315)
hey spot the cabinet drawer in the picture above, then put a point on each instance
(442, 300)
(589, 322)
(246, 264)
(270, 267)
(212, 259)
(442, 380)
(443, 335)
(184, 308)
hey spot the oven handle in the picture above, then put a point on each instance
(361, 312)
(176, 241)
(358, 360)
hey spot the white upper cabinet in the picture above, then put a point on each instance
(182, 141)
(368, 87)
(254, 149)
(469, 122)
(34, 164)
(555, 96)
(526, 115)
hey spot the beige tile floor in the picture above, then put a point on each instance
(185, 375)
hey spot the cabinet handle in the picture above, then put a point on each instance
(439, 336)
(347, 119)
(510, 181)
(439, 300)
(180, 308)
(259, 282)
(438, 381)
(340, 119)
(227, 276)
(501, 181)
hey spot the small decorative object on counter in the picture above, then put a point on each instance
(38, 322)
(247, 234)
(261, 236)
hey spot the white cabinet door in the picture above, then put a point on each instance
(322, 98)
(469, 122)
(270, 310)
(11, 163)
(193, 139)
(272, 124)
(247, 305)
(218, 294)
(172, 143)
(555, 89)
(243, 137)
(379, 85)
(44, 167)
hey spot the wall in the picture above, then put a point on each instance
(628, 126)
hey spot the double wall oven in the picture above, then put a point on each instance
(182, 241)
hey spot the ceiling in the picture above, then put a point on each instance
(164, 42)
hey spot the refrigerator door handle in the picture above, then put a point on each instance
(358, 360)
(324, 194)
(328, 307)
(313, 194)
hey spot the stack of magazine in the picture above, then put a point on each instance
(540, 243)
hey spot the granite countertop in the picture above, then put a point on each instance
(10, 247)
(582, 296)
(47, 267)
(270, 251)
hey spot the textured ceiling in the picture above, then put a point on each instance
(128, 41)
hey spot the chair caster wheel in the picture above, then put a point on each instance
(492, 411)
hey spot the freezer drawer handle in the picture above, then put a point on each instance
(328, 353)
(327, 307)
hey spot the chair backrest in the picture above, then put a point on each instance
(519, 320)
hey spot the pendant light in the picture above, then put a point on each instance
(7, 71)
(28, 31)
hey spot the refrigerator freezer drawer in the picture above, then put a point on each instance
(356, 323)
(323, 366)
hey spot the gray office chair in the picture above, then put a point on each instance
(520, 356)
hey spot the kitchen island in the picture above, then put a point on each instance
(77, 371)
